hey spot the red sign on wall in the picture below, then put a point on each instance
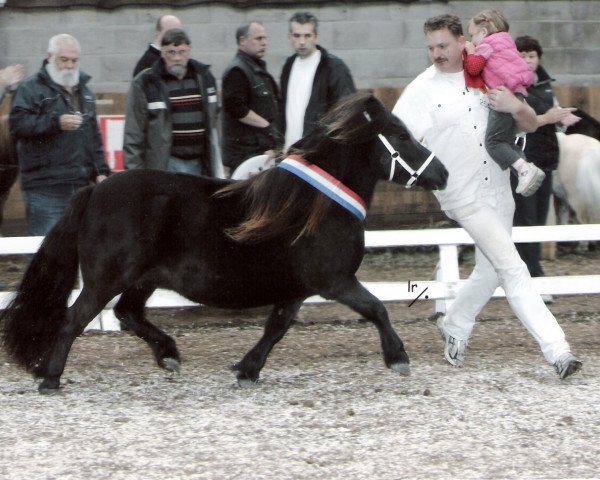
(111, 130)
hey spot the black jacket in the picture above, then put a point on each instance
(151, 55)
(48, 155)
(332, 81)
(241, 141)
(541, 147)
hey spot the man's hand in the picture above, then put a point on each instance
(11, 75)
(503, 100)
(70, 122)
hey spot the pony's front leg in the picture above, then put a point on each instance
(352, 294)
(277, 325)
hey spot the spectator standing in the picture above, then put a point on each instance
(541, 148)
(450, 119)
(53, 120)
(251, 123)
(312, 80)
(171, 113)
(153, 53)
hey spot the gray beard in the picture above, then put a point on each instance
(177, 70)
(64, 78)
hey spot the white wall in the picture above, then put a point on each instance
(382, 42)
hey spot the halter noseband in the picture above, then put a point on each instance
(414, 174)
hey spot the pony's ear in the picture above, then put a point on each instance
(372, 119)
(376, 117)
(356, 119)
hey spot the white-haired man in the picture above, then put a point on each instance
(53, 120)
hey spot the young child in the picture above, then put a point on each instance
(493, 55)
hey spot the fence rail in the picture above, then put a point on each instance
(443, 289)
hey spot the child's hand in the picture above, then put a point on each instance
(469, 47)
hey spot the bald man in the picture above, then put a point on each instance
(164, 23)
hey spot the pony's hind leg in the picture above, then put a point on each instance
(79, 315)
(130, 310)
(277, 325)
(352, 294)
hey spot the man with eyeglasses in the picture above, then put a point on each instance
(59, 148)
(171, 113)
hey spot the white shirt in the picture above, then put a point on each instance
(451, 120)
(300, 84)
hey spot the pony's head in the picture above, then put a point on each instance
(588, 125)
(356, 143)
(406, 161)
(361, 119)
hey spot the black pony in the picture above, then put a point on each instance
(274, 239)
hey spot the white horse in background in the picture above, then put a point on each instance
(576, 181)
(252, 166)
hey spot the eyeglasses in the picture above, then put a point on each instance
(177, 53)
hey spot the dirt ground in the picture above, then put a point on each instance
(326, 407)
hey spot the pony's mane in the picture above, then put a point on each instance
(278, 206)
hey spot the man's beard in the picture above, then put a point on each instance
(64, 78)
(177, 70)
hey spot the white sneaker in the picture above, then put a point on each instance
(548, 299)
(530, 179)
(454, 349)
(567, 365)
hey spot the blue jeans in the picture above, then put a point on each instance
(191, 167)
(44, 206)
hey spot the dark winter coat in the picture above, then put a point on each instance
(48, 155)
(148, 121)
(332, 81)
(542, 145)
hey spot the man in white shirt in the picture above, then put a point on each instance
(450, 119)
(312, 80)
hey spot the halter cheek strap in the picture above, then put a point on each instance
(326, 184)
(414, 174)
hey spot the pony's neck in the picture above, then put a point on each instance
(356, 174)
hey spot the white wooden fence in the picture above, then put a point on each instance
(443, 289)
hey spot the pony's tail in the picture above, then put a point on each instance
(34, 318)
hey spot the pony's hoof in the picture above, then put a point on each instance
(247, 382)
(401, 368)
(170, 364)
(49, 387)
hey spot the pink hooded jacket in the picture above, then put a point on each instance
(504, 65)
